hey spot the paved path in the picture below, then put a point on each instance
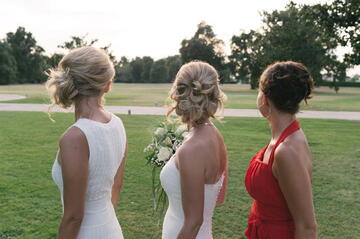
(6, 97)
(139, 110)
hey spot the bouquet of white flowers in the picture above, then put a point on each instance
(167, 138)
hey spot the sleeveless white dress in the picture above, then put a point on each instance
(174, 217)
(107, 143)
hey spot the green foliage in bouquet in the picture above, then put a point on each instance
(167, 138)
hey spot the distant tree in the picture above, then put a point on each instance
(137, 68)
(134, 71)
(337, 72)
(76, 42)
(173, 64)
(123, 71)
(159, 72)
(123, 61)
(206, 47)
(147, 64)
(8, 68)
(54, 60)
(355, 78)
(81, 41)
(29, 57)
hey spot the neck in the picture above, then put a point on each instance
(205, 122)
(87, 107)
(279, 122)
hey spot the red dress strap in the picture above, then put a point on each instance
(294, 126)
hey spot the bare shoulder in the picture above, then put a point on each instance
(292, 153)
(190, 150)
(286, 153)
(73, 146)
(73, 136)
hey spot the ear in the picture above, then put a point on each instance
(108, 86)
(262, 99)
(265, 100)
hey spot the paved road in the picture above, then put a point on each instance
(139, 110)
(6, 97)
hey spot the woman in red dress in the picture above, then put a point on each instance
(279, 176)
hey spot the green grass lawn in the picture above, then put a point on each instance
(30, 204)
(239, 96)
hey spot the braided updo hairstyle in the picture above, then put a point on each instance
(286, 84)
(196, 93)
(84, 72)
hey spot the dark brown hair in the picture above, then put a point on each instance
(286, 84)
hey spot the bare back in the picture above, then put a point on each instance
(209, 145)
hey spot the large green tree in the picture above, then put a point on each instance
(246, 57)
(340, 19)
(8, 67)
(205, 46)
(29, 57)
(289, 34)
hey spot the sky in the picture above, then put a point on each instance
(134, 27)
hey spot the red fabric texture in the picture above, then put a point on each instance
(269, 217)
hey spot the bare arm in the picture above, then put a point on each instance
(118, 180)
(74, 155)
(294, 178)
(192, 177)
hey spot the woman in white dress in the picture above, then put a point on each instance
(90, 163)
(195, 177)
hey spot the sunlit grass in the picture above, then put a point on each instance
(30, 206)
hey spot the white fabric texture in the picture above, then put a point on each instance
(174, 217)
(107, 143)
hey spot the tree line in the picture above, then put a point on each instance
(306, 33)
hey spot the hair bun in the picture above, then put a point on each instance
(286, 84)
(196, 92)
(83, 72)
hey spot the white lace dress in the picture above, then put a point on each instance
(107, 142)
(174, 217)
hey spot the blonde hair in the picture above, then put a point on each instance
(196, 93)
(83, 72)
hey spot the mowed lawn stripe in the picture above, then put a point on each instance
(30, 204)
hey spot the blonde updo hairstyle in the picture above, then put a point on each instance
(196, 93)
(83, 72)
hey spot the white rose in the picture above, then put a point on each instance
(149, 148)
(180, 130)
(167, 141)
(164, 154)
(160, 132)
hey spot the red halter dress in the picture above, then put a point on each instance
(269, 217)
